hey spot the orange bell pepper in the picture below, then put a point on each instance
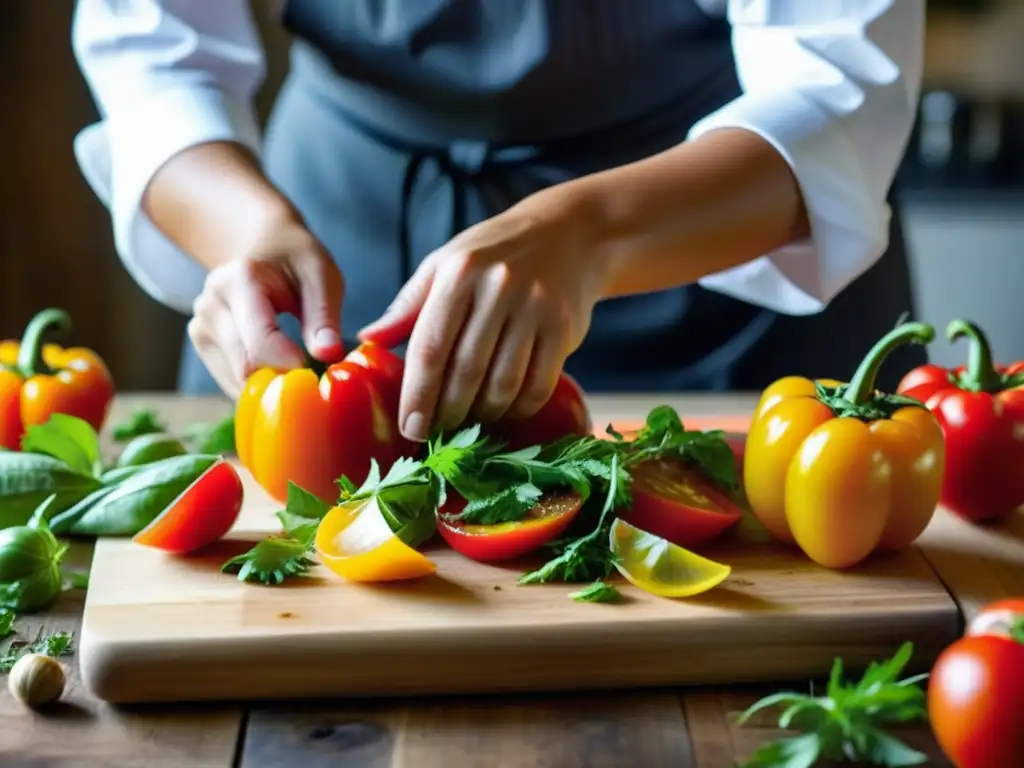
(298, 427)
(38, 380)
(843, 470)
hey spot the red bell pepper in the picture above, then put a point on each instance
(980, 408)
(38, 380)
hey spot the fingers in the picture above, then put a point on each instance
(509, 368)
(545, 367)
(397, 322)
(214, 335)
(430, 346)
(321, 288)
(472, 355)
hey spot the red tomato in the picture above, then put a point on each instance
(565, 413)
(505, 541)
(201, 515)
(676, 503)
(976, 693)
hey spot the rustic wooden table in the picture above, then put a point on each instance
(677, 728)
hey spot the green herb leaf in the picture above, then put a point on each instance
(271, 561)
(847, 723)
(407, 497)
(589, 557)
(69, 439)
(664, 436)
(28, 479)
(76, 579)
(53, 645)
(598, 592)
(218, 437)
(302, 514)
(142, 422)
(7, 617)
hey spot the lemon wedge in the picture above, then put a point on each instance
(355, 541)
(658, 566)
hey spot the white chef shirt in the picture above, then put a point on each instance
(831, 84)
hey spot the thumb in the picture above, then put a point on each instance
(397, 322)
(321, 288)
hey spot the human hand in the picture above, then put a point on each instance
(492, 315)
(234, 325)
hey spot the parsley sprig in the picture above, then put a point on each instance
(846, 724)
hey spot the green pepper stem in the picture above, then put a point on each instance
(980, 375)
(30, 354)
(862, 385)
(1017, 630)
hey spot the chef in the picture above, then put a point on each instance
(651, 195)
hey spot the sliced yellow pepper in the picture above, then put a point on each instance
(355, 542)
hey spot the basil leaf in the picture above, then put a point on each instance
(67, 438)
(29, 479)
(141, 422)
(302, 514)
(141, 498)
(218, 437)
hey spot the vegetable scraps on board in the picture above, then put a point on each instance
(841, 469)
(493, 504)
(38, 380)
(980, 407)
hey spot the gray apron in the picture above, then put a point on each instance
(403, 122)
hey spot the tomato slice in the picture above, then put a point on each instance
(565, 413)
(658, 566)
(505, 541)
(674, 502)
(355, 542)
(201, 515)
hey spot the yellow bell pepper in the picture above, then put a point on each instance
(842, 470)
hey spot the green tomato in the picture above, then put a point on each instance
(146, 449)
(30, 558)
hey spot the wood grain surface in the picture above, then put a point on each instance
(472, 629)
(684, 727)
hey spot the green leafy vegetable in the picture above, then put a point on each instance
(7, 617)
(145, 449)
(664, 436)
(847, 723)
(68, 439)
(143, 421)
(217, 437)
(134, 503)
(54, 644)
(588, 557)
(271, 561)
(598, 592)
(76, 579)
(28, 479)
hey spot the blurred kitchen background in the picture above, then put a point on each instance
(962, 183)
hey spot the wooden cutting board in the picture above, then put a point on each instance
(161, 628)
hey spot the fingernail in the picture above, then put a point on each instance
(415, 427)
(325, 337)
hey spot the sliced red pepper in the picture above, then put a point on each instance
(980, 408)
(202, 514)
(674, 502)
(504, 541)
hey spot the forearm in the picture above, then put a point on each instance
(694, 210)
(214, 202)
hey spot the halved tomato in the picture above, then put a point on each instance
(201, 515)
(565, 413)
(674, 502)
(546, 521)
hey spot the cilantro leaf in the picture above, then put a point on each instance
(7, 617)
(54, 645)
(142, 422)
(598, 592)
(302, 514)
(847, 723)
(271, 561)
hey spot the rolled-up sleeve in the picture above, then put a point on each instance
(165, 75)
(833, 86)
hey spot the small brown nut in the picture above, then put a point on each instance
(36, 680)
